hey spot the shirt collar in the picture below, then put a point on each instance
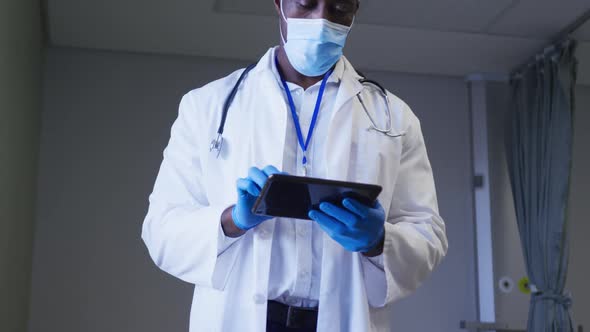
(336, 76)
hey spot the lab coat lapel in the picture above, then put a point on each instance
(349, 86)
(341, 127)
(340, 267)
(269, 121)
(267, 140)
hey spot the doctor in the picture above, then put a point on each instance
(297, 111)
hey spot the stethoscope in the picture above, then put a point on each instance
(217, 143)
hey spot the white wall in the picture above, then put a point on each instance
(508, 259)
(20, 61)
(106, 120)
(579, 211)
(442, 104)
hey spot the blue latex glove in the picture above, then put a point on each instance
(248, 191)
(357, 227)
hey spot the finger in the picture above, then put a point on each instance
(330, 225)
(257, 176)
(270, 170)
(247, 185)
(342, 215)
(356, 207)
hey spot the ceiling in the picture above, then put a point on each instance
(449, 37)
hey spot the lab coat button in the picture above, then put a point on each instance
(259, 299)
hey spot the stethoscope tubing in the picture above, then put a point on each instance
(217, 143)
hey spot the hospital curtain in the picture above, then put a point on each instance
(539, 148)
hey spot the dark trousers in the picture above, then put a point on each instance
(273, 327)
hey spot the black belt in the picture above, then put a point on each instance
(292, 317)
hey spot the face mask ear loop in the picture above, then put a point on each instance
(351, 24)
(283, 12)
(280, 25)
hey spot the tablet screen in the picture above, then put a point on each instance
(293, 196)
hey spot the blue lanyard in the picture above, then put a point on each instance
(294, 112)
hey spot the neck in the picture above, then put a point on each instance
(290, 74)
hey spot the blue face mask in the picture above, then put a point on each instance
(313, 46)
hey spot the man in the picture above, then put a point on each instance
(338, 272)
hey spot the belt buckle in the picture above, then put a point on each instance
(292, 318)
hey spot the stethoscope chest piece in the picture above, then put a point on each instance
(216, 145)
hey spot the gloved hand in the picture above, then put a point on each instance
(248, 191)
(357, 227)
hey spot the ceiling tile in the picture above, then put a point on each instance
(539, 18)
(448, 15)
(185, 26)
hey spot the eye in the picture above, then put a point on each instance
(305, 5)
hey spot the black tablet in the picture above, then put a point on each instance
(293, 196)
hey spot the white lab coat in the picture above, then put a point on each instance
(182, 230)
